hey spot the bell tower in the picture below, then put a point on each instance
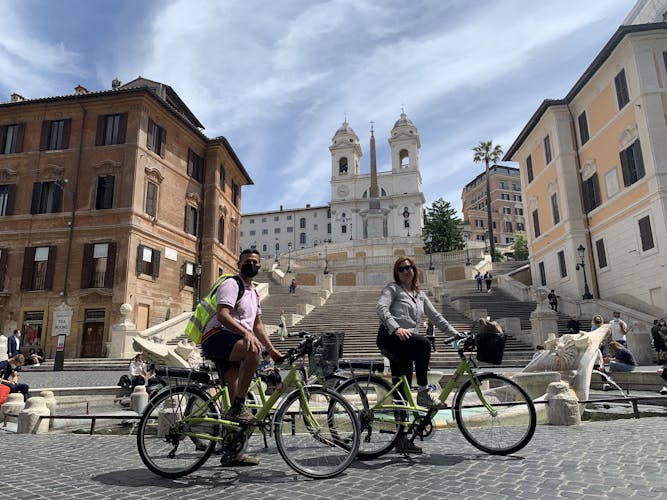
(404, 143)
(345, 153)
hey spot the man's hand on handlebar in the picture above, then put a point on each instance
(275, 354)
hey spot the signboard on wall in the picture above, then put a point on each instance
(62, 320)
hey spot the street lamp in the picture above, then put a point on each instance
(197, 284)
(428, 240)
(587, 293)
(289, 257)
(326, 260)
(277, 247)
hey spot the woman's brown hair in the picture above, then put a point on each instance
(415, 272)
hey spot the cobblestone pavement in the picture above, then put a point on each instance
(614, 459)
(92, 378)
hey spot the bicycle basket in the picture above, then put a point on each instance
(323, 361)
(490, 342)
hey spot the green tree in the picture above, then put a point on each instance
(520, 246)
(442, 231)
(487, 152)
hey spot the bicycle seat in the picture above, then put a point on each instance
(186, 373)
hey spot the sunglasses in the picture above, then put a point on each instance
(402, 269)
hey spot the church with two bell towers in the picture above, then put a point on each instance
(381, 207)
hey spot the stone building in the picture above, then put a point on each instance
(594, 173)
(506, 205)
(397, 210)
(107, 198)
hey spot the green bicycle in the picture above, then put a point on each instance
(493, 413)
(316, 430)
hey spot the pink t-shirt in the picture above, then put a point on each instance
(248, 307)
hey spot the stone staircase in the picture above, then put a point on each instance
(280, 301)
(82, 364)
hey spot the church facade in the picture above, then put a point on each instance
(377, 206)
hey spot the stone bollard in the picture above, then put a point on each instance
(35, 407)
(51, 404)
(12, 407)
(562, 405)
(139, 398)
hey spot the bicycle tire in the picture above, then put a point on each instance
(163, 448)
(509, 429)
(322, 452)
(379, 428)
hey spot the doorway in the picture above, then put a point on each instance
(92, 341)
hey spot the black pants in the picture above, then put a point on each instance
(416, 349)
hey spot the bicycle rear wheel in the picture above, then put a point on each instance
(380, 428)
(507, 427)
(319, 436)
(164, 438)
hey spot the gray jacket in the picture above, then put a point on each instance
(396, 308)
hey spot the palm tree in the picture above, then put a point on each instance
(487, 152)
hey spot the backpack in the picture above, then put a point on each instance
(124, 381)
(207, 308)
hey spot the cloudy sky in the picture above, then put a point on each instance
(276, 77)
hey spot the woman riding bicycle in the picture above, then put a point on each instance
(400, 309)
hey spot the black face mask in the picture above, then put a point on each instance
(249, 269)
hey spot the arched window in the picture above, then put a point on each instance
(383, 192)
(404, 157)
(342, 165)
(221, 230)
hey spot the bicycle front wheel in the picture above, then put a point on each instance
(317, 435)
(501, 421)
(379, 426)
(166, 437)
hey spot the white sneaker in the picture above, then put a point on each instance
(663, 390)
(606, 387)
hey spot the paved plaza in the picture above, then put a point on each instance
(615, 459)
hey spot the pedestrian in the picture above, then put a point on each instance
(292, 287)
(573, 326)
(553, 300)
(596, 322)
(622, 360)
(619, 329)
(659, 337)
(663, 374)
(487, 279)
(9, 375)
(478, 279)
(14, 344)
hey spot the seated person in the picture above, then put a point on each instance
(138, 374)
(621, 359)
(9, 375)
(34, 357)
(663, 374)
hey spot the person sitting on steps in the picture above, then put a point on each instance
(399, 308)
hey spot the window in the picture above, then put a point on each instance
(236, 196)
(515, 187)
(111, 129)
(38, 268)
(554, 208)
(223, 182)
(343, 228)
(263, 219)
(148, 261)
(602, 254)
(328, 213)
(288, 217)
(157, 138)
(520, 226)
(404, 157)
(508, 227)
(265, 231)
(547, 150)
(591, 190)
(302, 223)
(493, 224)
(276, 218)
(507, 211)
(195, 166)
(561, 264)
(583, 128)
(4, 256)
(188, 274)
(290, 229)
(221, 230)
(302, 238)
(536, 223)
(315, 227)
(99, 261)
(191, 220)
(543, 274)
(406, 223)
(479, 223)
(264, 248)
(233, 238)
(502, 185)
(329, 228)
(645, 233)
(55, 134)
(104, 198)
(276, 230)
(7, 197)
(251, 221)
(253, 232)
(517, 197)
(504, 196)
(518, 211)
(151, 199)
(621, 84)
(632, 164)
(11, 138)
(342, 166)
(47, 198)
(529, 168)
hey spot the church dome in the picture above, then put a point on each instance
(345, 132)
(404, 121)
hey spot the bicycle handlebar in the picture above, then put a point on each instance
(304, 347)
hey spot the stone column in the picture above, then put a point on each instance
(543, 319)
(29, 421)
(327, 282)
(139, 398)
(122, 334)
(51, 404)
(12, 407)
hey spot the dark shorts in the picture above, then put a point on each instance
(219, 345)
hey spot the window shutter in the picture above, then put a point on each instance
(182, 279)
(28, 263)
(19, 139)
(50, 268)
(163, 142)
(87, 265)
(58, 199)
(36, 196)
(99, 137)
(190, 160)
(122, 128)
(156, 263)
(149, 135)
(639, 160)
(11, 197)
(44, 140)
(140, 253)
(186, 225)
(111, 265)
(67, 128)
(3, 132)
(625, 168)
(3, 266)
